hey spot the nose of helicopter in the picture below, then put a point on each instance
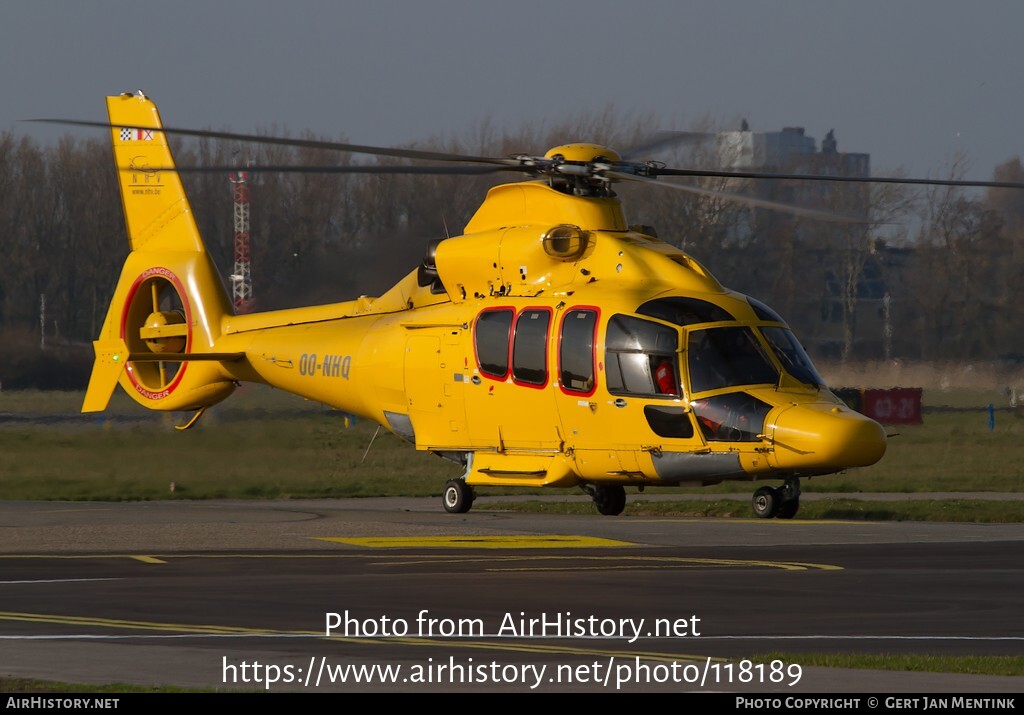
(825, 438)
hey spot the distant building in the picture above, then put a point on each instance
(791, 151)
(745, 150)
(831, 310)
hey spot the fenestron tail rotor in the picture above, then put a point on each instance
(155, 322)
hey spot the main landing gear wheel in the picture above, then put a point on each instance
(788, 509)
(609, 501)
(458, 496)
(766, 502)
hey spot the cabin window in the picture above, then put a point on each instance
(641, 357)
(672, 422)
(576, 351)
(491, 336)
(530, 347)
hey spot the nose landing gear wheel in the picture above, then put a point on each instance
(766, 502)
(769, 502)
(458, 496)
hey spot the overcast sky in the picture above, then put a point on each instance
(911, 82)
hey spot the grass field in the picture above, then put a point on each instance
(247, 451)
(266, 444)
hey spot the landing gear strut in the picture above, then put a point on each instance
(458, 496)
(781, 503)
(609, 500)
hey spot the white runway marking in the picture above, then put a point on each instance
(319, 636)
(59, 580)
(864, 638)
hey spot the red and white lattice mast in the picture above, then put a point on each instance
(241, 278)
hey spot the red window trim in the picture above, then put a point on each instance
(593, 348)
(508, 343)
(547, 344)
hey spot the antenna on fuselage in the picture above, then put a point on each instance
(370, 444)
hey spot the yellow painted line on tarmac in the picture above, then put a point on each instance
(642, 562)
(541, 647)
(670, 567)
(536, 646)
(73, 557)
(644, 567)
(553, 541)
(70, 557)
(174, 628)
(162, 559)
(603, 563)
(129, 625)
(734, 520)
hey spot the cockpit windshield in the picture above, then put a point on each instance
(727, 357)
(792, 355)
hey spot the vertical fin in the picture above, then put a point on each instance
(156, 210)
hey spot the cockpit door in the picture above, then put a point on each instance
(619, 394)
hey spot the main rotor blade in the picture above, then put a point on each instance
(740, 198)
(840, 179)
(304, 143)
(346, 169)
(661, 140)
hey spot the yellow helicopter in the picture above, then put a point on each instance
(550, 345)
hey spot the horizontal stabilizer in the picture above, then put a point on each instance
(184, 357)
